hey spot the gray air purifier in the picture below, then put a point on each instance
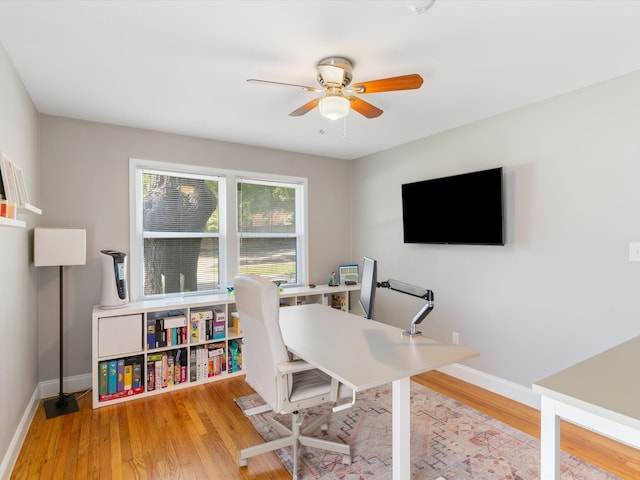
(114, 279)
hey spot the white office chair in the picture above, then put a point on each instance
(286, 385)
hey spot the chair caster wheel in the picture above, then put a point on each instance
(242, 462)
(346, 459)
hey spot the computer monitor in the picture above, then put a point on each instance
(368, 286)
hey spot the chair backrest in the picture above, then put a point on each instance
(258, 304)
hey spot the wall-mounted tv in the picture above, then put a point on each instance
(460, 209)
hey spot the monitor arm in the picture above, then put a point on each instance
(414, 291)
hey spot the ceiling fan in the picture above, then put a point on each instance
(334, 77)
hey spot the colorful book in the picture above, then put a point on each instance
(170, 371)
(112, 385)
(202, 329)
(161, 334)
(120, 381)
(128, 376)
(137, 373)
(151, 334)
(192, 365)
(151, 376)
(234, 356)
(103, 373)
(219, 324)
(194, 329)
(177, 367)
(156, 361)
(198, 323)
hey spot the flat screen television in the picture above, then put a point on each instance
(368, 285)
(460, 209)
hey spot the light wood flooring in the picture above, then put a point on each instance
(197, 433)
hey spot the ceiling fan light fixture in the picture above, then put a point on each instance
(334, 107)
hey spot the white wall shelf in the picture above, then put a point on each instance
(10, 222)
(27, 208)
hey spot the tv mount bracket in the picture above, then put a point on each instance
(414, 291)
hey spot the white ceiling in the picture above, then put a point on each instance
(181, 66)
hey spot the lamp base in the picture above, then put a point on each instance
(60, 406)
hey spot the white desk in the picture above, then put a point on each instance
(601, 393)
(363, 354)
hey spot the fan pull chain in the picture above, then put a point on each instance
(345, 135)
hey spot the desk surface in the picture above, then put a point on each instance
(606, 384)
(361, 353)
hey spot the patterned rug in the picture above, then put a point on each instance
(448, 439)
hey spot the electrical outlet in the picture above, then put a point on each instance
(634, 251)
(455, 338)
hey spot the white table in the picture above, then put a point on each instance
(363, 354)
(601, 393)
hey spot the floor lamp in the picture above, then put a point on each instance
(59, 247)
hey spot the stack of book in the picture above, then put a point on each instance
(120, 377)
(235, 356)
(166, 332)
(207, 325)
(208, 361)
(166, 369)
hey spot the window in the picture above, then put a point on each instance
(190, 235)
(268, 229)
(180, 233)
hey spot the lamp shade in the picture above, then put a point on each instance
(334, 107)
(59, 246)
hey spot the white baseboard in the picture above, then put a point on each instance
(19, 435)
(50, 388)
(494, 384)
(77, 383)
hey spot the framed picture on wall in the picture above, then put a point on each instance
(23, 195)
(9, 180)
(348, 274)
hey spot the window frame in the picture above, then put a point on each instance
(300, 224)
(229, 241)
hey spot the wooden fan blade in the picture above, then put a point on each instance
(364, 108)
(307, 107)
(404, 82)
(281, 84)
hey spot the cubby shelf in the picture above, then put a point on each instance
(120, 336)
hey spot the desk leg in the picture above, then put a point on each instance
(549, 440)
(401, 432)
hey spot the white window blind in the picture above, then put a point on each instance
(269, 229)
(180, 233)
(194, 228)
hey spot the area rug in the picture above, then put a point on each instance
(448, 439)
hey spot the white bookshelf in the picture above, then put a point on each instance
(121, 334)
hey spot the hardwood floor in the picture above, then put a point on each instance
(198, 432)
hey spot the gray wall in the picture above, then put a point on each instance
(85, 172)
(19, 338)
(562, 288)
